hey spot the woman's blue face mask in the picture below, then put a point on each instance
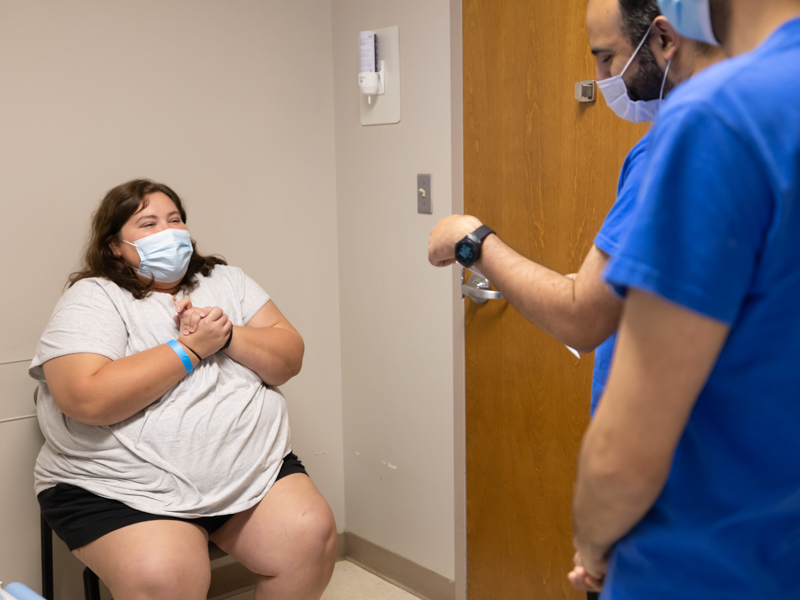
(164, 255)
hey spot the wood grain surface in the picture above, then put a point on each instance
(541, 169)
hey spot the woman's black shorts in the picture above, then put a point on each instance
(79, 517)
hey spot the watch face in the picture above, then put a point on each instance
(465, 253)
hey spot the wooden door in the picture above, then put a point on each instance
(541, 169)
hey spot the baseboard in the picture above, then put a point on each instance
(229, 578)
(414, 578)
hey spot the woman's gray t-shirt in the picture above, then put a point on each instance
(211, 445)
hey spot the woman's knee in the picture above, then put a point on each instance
(158, 576)
(315, 533)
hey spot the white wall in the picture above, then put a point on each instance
(231, 104)
(397, 311)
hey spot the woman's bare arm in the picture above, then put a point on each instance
(96, 390)
(268, 345)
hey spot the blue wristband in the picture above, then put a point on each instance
(187, 362)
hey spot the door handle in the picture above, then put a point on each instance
(478, 289)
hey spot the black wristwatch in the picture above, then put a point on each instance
(468, 249)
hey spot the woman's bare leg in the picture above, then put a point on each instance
(153, 560)
(288, 539)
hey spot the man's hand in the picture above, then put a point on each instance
(580, 576)
(448, 231)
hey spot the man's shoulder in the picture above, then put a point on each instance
(708, 110)
(739, 89)
(712, 80)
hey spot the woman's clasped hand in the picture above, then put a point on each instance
(203, 330)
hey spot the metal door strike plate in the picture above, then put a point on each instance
(586, 91)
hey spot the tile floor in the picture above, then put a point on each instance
(351, 582)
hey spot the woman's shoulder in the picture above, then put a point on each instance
(94, 290)
(88, 286)
(224, 270)
(226, 274)
(236, 282)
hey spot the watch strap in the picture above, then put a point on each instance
(481, 232)
(228, 343)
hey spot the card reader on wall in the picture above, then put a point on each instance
(379, 76)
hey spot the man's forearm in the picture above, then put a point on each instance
(581, 313)
(543, 296)
(611, 497)
(663, 357)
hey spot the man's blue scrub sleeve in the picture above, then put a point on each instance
(618, 221)
(697, 233)
(609, 239)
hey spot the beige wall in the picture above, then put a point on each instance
(231, 103)
(240, 107)
(397, 312)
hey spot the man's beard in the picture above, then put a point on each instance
(649, 78)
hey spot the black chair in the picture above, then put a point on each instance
(91, 583)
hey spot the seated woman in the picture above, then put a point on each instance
(162, 423)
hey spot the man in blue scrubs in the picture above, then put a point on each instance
(642, 54)
(689, 476)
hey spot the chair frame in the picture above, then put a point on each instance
(91, 582)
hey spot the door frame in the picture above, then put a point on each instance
(459, 345)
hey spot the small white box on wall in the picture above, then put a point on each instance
(379, 89)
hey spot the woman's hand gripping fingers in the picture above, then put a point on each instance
(210, 334)
(188, 316)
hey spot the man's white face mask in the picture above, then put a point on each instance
(616, 94)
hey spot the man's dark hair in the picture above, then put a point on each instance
(637, 16)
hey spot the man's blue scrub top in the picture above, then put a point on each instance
(717, 230)
(609, 239)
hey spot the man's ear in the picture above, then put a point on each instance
(666, 41)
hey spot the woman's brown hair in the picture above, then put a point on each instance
(119, 205)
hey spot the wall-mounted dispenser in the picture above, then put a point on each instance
(379, 76)
(371, 75)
